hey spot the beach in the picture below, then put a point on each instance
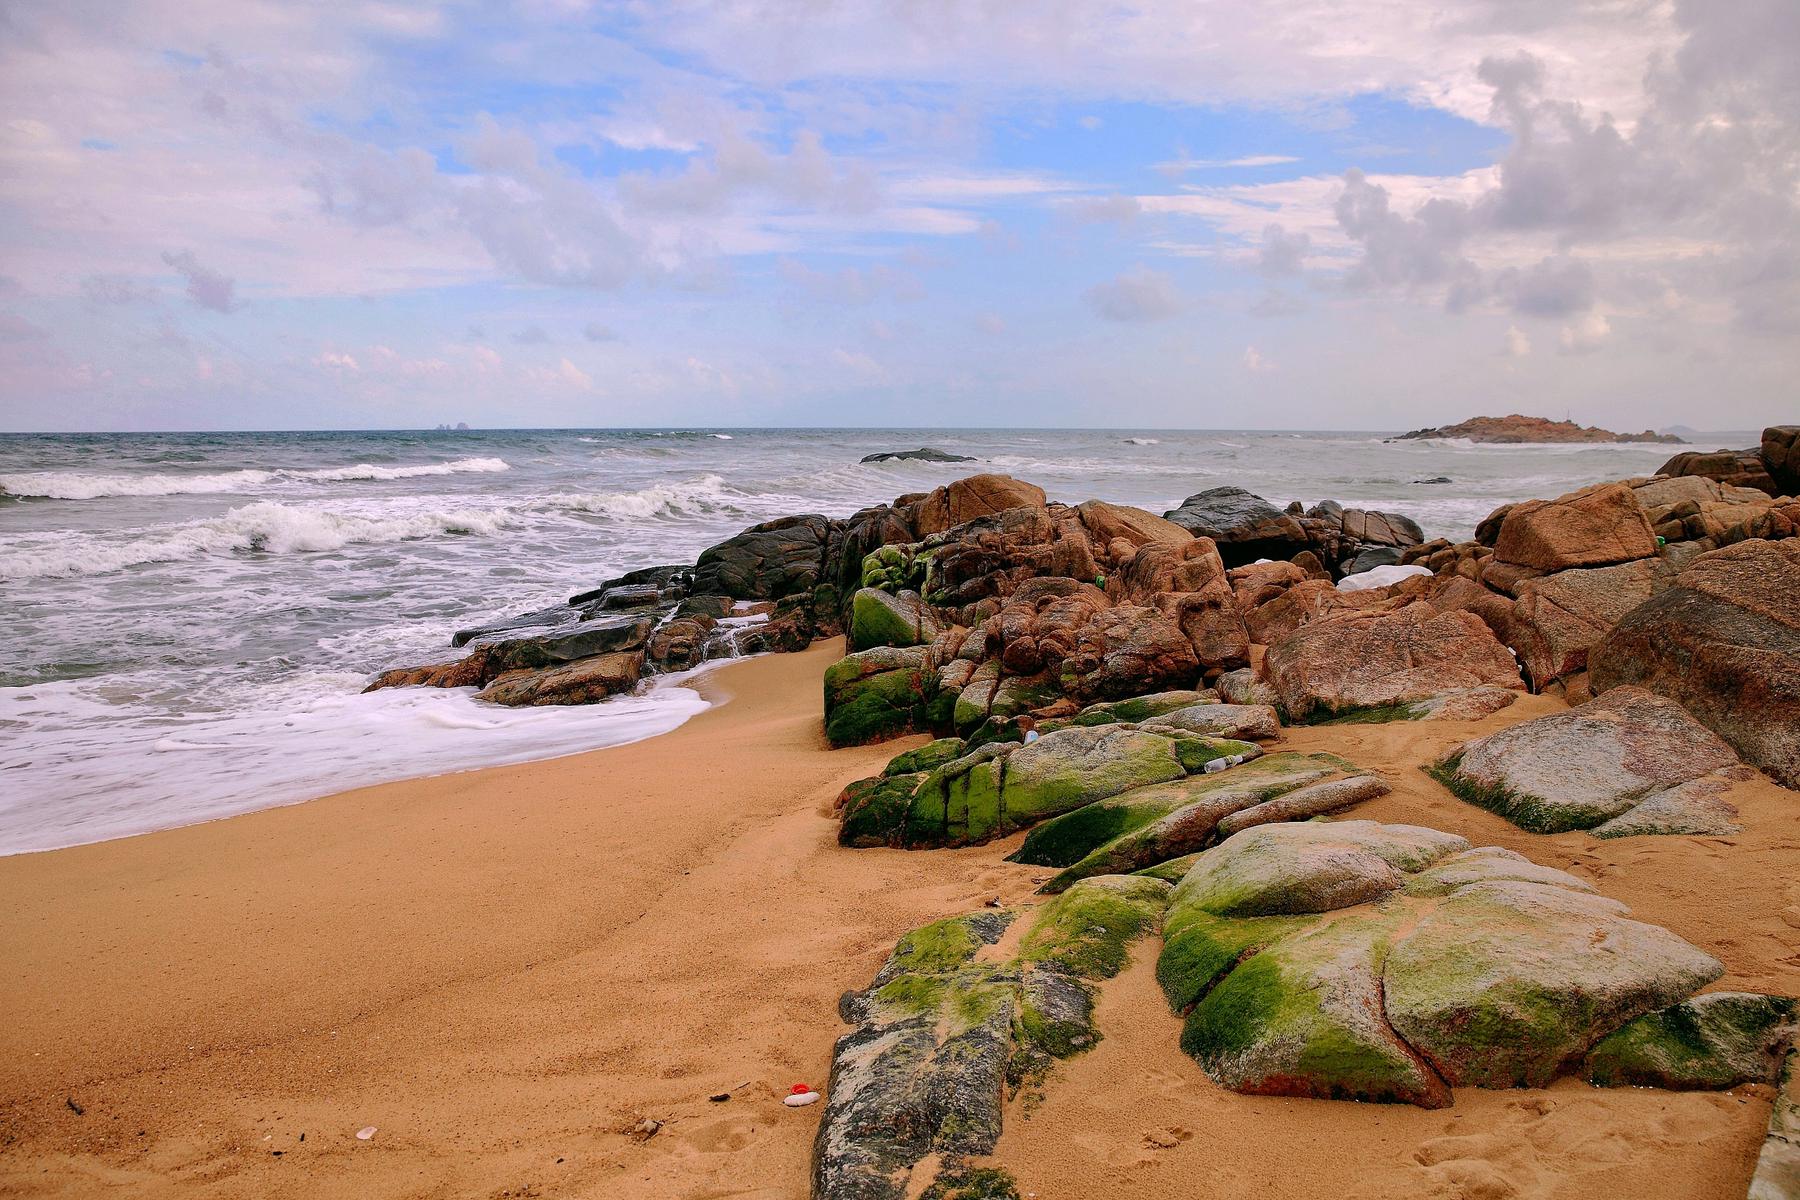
(507, 971)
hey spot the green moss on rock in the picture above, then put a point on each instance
(1088, 930)
(1714, 1041)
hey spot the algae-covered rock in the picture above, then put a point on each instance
(1140, 708)
(1150, 825)
(875, 694)
(1304, 1018)
(1072, 767)
(1577, 769)
(931, 754)
(1718, 1040)
(1777, 1175)
(1383, 962)
(882, 618)
(1275, 870)
(1697, 807)
(1088, 930)
(1303, 804)
(1506, 983)
(870, 811)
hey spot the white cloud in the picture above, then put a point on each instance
(1585, 335)
(1517, 344)
(1255, 363)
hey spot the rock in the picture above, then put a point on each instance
(1577, 769)
(1185, 580)
(1244, 526)
(1361, 961)
(1516, 429)
(875, 694)
(680, 643)
(777, 558)
(1737, 468)
(1303, 804)
(1777, 1175)
(1781, 456)
(1506, 984)
(1126, 651)
(1559, 618)
(1244, 687)
(1370, 557)
(1246, 722)
(1715, 1041)
(672, 579)
(1697, 807)
(976, 496)
(1144, 708)
(1594, 527)
(924, 1071)
(543, 618)
(941, 1031)
(1724, 642)
(1375, 659)
(566, 645)
(1146, 826)
(466, 672)
(1110, 523)
(581, 682)
(922, 454)
(879, 618)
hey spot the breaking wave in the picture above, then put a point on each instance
(64, 485)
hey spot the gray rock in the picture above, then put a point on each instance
(1256, 722)
(1577, 769)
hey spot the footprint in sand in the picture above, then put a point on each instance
(1166, 1138)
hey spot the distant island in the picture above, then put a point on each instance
(1520, 429)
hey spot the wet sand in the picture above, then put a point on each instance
(504, 971)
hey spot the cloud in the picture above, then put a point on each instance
(1555, 287)
(594, 331)
(205, 287)
(1255, 363)
(1517, 345)
(990, 324)
(115, 289)
(532, 335)
(1141, 294)
(1283, 253)
(1585, 335)
(14, 328)
(1115, 209)
(852, 285)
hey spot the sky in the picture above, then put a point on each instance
(1299, 214)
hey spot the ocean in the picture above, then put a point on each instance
(187, 620)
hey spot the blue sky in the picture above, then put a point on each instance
(1310, 214)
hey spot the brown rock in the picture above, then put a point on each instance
(1739, 468)
(1594, 527)
(976, 496)
(1560, 617)
(1781, 457)
(1128, 651)
(1370, 659)
(1724, 642)
(581, 682)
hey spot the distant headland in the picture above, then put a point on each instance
(1516, 429)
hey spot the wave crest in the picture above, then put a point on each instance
(68, 485)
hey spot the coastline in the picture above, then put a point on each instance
(504, 970)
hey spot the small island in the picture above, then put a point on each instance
(1518, 430)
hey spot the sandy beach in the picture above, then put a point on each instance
(504, 971)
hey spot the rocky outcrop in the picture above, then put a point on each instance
(1245, 527)
(922, 454)
(1772, 467)
(1517, 429)
(976, 496)
(876, 694)
(1371, 660)
(944, 1033)
(778, 558)
(583, 681)
(1781, 456)
(1352, 960)
(1559, 618)
(882, 618)
(1593, 765)
(1723, 642)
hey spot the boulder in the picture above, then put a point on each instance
(1560, 617)
(1777, 1174)
(1246, 722)
(881, 618)
(1737, 468)
(875, 694)
(1352, 960)
(1107, 524)
(976, 496)
(1594, 527)
(1577, 769)
(1126, 651)
(1376, 659)
(569, 643)
(1185, 580)
(1781, 456)
(1715, 1041)
(1244, 526)
(583, 681)
(1724, 642)
(777, 558)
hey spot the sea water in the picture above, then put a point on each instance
(187, 620)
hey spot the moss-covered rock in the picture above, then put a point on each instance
(1714, 1041)
(1256, 722)
(872, 812)
(1505, 983)
(960, 1181)
(1088, 930)
(924, 758)
(1304, 1018)
(874, 695)
(881, 618)
(1309, 868)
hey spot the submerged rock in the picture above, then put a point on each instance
(922, 454)
(1592, 764)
